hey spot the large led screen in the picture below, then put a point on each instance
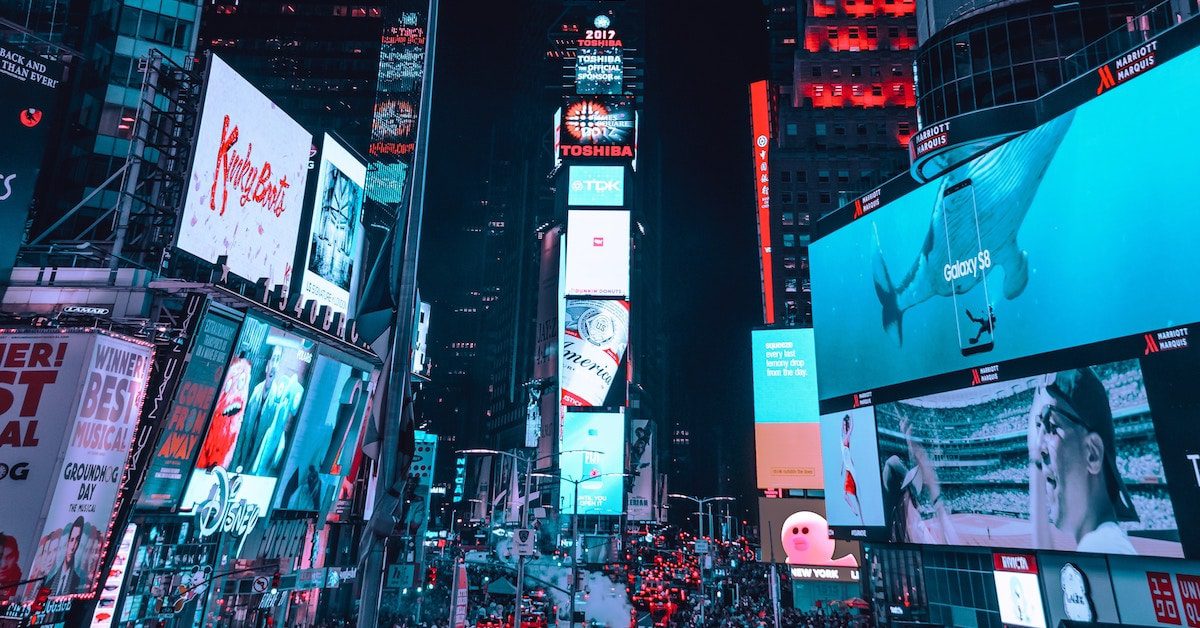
(259, 402)
(1075, 232)
(246, 190)
(322, 443)
(850, 454)
(595, 334)
(598, 442)
(597, 253)
(787, 437)
(1066, 460)
(596, 186)
(598, 127)
(795, 532)
(333, 263)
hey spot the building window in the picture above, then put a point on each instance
(789, 240)
(785, 176)
(789, 284)
(819, 129)
(877, 90)
(825, 198)
(896, 71)
(875, 71)
(856, 89)
(831, 32)
(893, 31)
(815, 70)
(823, 177)
(802, 198)
(856, 71)
(837, 90)
(787, 198)
(801, 176)
(903, 128)
(872, 32)
(788, 218)
(839, 129)
(862, 129)
(789, 262)
(843, 176)
(791, 128)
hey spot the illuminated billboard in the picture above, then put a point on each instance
(603, 434)
(786, 434)
(850, 455)
(29, 86)
(1018, 590)
(598, 253)
(599, 68)
(641, 466)
(187, 417)
(597, 127)
(794, 532)
(70, 409)
(596, 186)
(322, 443)
(398, 92)
(595, 334)
(259, 401)
(760, 135)
(249, 167)
(333, 258)
(1031, 247)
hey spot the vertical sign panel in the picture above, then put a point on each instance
(760, 123)
(397, 101)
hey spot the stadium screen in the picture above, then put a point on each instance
(1075, 232)
(1028, 365)
(786, 434)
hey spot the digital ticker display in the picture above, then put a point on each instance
(1052, 240)
(786, 433)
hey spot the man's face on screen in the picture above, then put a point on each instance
(1064, 461)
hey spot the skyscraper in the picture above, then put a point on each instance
(841, 101)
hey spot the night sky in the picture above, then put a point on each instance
(701, 63)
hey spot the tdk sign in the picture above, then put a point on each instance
(596, 186)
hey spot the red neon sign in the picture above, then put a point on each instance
(760, 123)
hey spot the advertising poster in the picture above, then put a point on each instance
(596, 186)
(598, 127)
(599, 69)
(760, 129)
(1156, 592)
(321, 444)
(1077, 587)
(998, 258)
(787, 436)
(545, 344)
(29, 89)
(603, 435)
(42, 374)
(1066, 460)
(249, 169)
(85, 489)
(335, 241)
(188, 414)
(850, 454)
(1017, 589)
(397, 101)
(794, 532)
(640, 505)
(598, 255)
(259, 401)
(595, 334)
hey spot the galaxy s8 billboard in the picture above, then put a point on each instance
(1078, 231)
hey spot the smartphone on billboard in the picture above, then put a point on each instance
(966, 269)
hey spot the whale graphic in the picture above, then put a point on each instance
(1005, 181)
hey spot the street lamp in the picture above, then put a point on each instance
(524, 505)
(700, 501)
(575, 531)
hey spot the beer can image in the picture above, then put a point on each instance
(595, 335)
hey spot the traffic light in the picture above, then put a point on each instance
(39, 601)
(431, 575)
(275, 577)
